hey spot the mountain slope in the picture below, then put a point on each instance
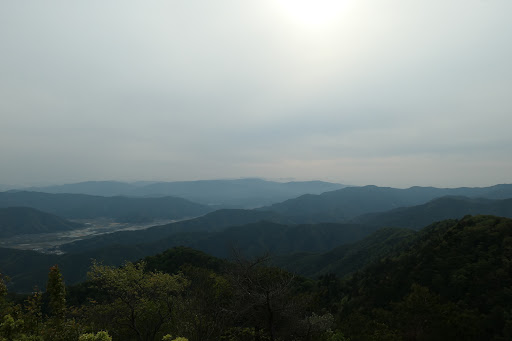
(276, 239)
(436, 210)
(80, 206)
(350, 202)
(346, 258)
(452, 282)
(25, 220)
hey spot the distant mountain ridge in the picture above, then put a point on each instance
(240, 193)
(25, 220)
(81, 206)
(347, 203)
(449, 207)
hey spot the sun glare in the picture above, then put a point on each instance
(312, 12)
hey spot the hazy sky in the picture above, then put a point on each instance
(395, 93)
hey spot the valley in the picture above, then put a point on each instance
(50, 243)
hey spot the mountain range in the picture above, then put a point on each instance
(123, 209)
(443, 208)
(350, 202)
(293, 227)
(240, 193)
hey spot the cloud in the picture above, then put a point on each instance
(200, 89)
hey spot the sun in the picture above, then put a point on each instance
(312, 12)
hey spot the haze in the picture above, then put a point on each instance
(394, 93)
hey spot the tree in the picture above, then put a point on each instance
(264, 298)
(203, 313)
(137, 305)
(57, 292)
(3, 293)
(57, 327)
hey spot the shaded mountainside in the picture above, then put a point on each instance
(80, 206)
(210, 222)
(251, 240)
(439, 209)
(276, 239)
(25, 220)
(240, 193)
(452, 282)
(350, 202)
(346, 258)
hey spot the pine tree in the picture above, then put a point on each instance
(57, 292)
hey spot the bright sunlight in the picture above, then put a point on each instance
(312, 13)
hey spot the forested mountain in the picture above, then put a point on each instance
(350, 202)
(241, 193)
(276, 239)
(346, 258)
(416, 217)
(451, 283)
(25, 220)
(80, 206)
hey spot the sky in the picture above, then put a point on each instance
(392, 93)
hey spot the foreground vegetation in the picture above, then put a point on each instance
(450, 281)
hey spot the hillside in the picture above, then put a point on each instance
(264, 237)
(350, 202)
(452, 282)
(439, 209)
(24, 220)
(80, 206)
(346, 258)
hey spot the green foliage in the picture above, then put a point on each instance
(3, 293)
(451, 282)
(137, 305)
(33, 315)
(334, 336)
(99, 336)
(9, 327)
(57, 292)
(173, 260)
(204, 313)
(267, 300)
(168, 337)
